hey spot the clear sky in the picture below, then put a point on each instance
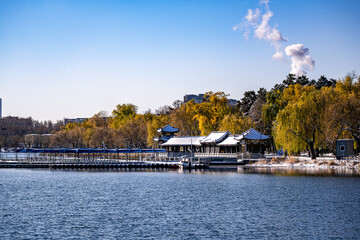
(70, 59)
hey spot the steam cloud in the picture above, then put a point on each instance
(300, 59)
(259, 22)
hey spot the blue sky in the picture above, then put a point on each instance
(75, 58)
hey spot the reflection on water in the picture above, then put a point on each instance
(103, 170)
(281, 171)
(217, 203)
(300, 171)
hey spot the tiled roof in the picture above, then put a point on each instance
(252, 134)
(168, 128)
(215, 137)
(218, 138)
(184, 141)
(229, 141)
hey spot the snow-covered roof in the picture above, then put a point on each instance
(184, 141)
(252, 134)
(165, 138)
(168, 128)
(215, 137)
(218, 138)
(229, 141)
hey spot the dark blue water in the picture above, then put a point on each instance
(43, 204)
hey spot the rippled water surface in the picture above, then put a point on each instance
(44, 204)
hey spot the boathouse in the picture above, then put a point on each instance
(218, 144)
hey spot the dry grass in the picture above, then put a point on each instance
(264, 161)
(277, 160)
(320, 163)
(332, 163)
(293, 160)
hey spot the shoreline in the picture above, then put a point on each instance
(308, 163)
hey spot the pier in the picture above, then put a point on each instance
(92, 158)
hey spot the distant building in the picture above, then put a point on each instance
(0, 108)
(232, 102)
(197, 98)
(74, 120)
(200, 98)
(80, 120)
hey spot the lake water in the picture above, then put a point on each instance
(216, 204)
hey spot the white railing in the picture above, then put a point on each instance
(216, 155)
(172, 156)
(251, 156)
(213, 155)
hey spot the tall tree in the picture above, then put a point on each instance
(247, 101)
(297, 125)
(123, 113)
(236, 124)
(184, 118)
(211, 112)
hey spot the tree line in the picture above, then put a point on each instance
(14, 129)
(300, 114)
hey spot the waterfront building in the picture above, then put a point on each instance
(218, 144)
(166, 133)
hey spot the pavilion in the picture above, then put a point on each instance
(219, 143)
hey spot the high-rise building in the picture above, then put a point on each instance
(200, 98)
(197, 98)
(0, 108)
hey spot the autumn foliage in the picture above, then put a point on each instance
(300, 115)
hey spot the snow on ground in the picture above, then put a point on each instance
(326, 162)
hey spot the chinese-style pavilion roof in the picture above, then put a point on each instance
(168, 129)
(252, 134)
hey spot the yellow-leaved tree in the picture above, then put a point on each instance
(297, 126)
(236, 124)
(211, 112)
(184, 119)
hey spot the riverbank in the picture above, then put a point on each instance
(307, 162)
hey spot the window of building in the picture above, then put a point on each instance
(342, 148)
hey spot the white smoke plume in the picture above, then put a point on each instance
(262, 30)
(259, 22)
(300, 59)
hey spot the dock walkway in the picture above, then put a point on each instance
(102, 164)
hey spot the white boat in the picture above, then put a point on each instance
(185, 163)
